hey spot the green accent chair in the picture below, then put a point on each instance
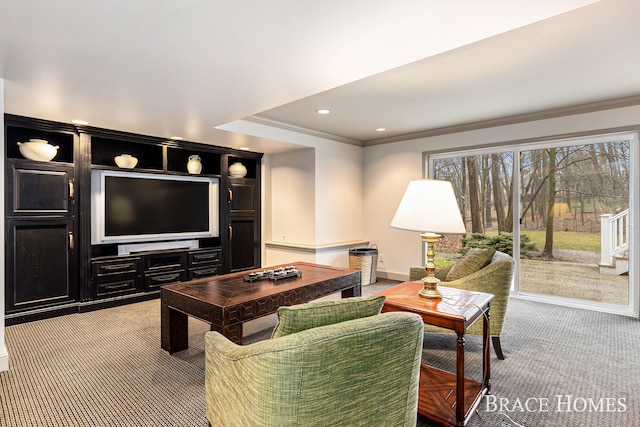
(363, 371)
(495, 278)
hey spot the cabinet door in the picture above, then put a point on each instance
(40, 189)
(242, 197)
(40, 267)
(244, 244)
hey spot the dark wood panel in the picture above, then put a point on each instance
(242, 196)
(243, 244)
(40, 264)
(37, 189)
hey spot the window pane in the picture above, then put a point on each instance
(574, 222)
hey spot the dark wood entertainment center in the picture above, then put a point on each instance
(52, 268)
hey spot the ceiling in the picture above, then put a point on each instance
(188, 68)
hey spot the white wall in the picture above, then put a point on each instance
(316, 204)
(293, 190)
(316, 197)
(387, 171)
(4, 355)
(388, 168)
(339, 185)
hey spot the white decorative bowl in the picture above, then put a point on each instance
(237, 170)
(126, 161)
(38, 150)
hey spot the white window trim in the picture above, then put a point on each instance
(632, 309)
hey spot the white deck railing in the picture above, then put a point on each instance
(614, 235)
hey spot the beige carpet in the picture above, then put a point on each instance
(106, 368)
(103, 368)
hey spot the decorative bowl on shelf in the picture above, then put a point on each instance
(126, 161)
(38, 150)
(237, 170)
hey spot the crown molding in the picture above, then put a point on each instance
(511, 120)
(306, 131)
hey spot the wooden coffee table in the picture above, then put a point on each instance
(227, 301)
(449, 399)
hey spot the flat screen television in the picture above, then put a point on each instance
(129, 207)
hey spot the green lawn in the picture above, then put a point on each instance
(566, 240)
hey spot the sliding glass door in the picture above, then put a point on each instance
(570, 229)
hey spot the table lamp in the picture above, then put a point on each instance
(430, 207)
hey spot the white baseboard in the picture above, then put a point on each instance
(4, 360)
(392, 276)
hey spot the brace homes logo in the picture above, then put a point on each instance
(559, 403)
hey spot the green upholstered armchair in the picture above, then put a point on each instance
(494, 279)
(357, 372)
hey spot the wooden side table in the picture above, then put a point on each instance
(449, 399)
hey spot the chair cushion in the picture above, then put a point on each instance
(314, 314)
(474, 260)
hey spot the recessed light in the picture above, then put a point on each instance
(176, 138)
(80, 122)
(244, 148)
(380, 129)
(323, 111)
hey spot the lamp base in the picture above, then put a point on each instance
(430, 288)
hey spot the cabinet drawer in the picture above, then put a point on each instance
(204, 272)
(115, 267)
(115, 288)
(165, 261)
(154, 281)
(204, 257)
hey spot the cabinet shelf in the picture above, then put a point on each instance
(250, 164)
(177, 161)
(152, 157)
(104, 150)
(63, 140)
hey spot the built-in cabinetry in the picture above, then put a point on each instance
(41, 218)
(243, 216)
(52, 266)
(147, 271)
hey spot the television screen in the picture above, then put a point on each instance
(154, 206)
(138, 207)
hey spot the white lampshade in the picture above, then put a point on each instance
(429, 206)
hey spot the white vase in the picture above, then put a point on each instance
(126, 161)
(237, 170)
(194, 166)
(38, 149)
